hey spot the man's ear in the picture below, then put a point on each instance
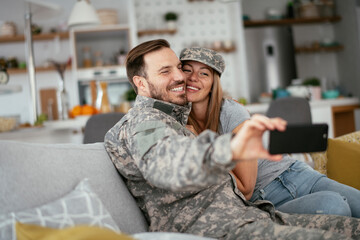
(141, 84)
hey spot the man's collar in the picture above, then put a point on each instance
(180, 113)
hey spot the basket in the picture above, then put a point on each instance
(7, 124)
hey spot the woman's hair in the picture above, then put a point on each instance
(135, 65)
(214, 107)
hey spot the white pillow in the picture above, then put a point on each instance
(80, 206)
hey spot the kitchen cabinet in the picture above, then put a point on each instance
(98, 55)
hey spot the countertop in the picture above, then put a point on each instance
(262, 107)
(59, 131)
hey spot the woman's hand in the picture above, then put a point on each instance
(247, 143)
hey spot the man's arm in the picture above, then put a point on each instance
(176, 162)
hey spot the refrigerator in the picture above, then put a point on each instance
(270, 59)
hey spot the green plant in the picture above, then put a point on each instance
(130, 95)
(312, 82)
(170, 16)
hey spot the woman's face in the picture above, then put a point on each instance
(199, 81)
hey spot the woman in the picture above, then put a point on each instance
(292, 186)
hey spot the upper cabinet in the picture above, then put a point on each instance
(100, 52)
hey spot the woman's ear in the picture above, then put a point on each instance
(141, 84)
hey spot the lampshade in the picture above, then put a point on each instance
(83, 13)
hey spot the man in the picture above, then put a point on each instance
(181, 182)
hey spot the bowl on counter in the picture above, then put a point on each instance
(330, 94)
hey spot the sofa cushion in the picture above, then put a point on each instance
(33, 174)
(344, 162)
(34, 232)
(79, 207)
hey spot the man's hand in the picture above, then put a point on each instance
(247, 143)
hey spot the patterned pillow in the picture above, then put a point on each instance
(81, 206)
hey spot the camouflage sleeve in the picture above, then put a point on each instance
(176, 162)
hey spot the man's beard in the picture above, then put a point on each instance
(154, 93)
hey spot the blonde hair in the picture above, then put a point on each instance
(213, 110)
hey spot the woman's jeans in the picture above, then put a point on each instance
(300, 189)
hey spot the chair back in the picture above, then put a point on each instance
(295, 110)
(98, 125)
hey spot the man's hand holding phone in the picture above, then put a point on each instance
(298, 138)
(247, 143)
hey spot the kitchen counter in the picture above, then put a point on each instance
(59, 131)
(262, 107)
(340, 114)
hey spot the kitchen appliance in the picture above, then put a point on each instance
(270, 58)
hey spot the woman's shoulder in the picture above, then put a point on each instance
(231, 103)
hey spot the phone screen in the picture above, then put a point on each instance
(299, 139)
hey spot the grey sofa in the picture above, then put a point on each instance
(35, 174)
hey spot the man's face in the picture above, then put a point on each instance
(166, 80)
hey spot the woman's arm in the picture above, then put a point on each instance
(245, 173)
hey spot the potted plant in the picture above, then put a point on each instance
(171, 18)
(129, 97)
(314, 87)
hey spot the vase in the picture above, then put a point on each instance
(102, 100)
(171, 25)
(63, 102)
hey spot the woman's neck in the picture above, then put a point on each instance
(199, 110)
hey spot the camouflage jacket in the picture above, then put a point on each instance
(177, 179)
(181, 182)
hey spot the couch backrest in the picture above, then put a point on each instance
(34, 174)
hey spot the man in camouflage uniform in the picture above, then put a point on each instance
(181, 182)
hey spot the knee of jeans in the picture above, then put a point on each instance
(334, 204)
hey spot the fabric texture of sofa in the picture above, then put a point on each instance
(39, 178)
(341, 161)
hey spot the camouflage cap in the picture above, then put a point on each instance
(204, 55)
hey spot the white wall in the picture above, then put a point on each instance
(201, 23)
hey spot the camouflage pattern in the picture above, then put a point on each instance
(182, 182)
(206, 56)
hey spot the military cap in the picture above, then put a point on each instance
(206, 56)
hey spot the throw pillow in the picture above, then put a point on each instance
(80, 206)
(35, 232)
(344, 162)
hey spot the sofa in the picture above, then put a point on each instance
(39, 179)
(341, 160)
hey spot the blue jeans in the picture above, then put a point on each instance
(300, 189)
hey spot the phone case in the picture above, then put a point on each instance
(299, 139)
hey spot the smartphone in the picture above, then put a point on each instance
(299, 139)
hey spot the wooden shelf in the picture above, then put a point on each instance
(152, 32)
(318, 49)
(285, 22)
(225, 50)
(38, 37)
(24, 70)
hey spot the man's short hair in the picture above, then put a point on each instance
(135, 65)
